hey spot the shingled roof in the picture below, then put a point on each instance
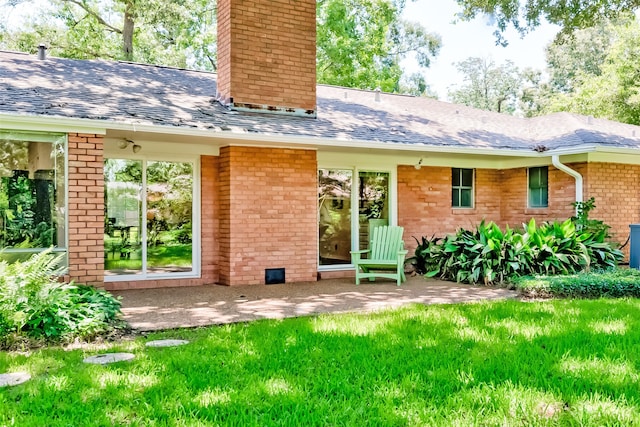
(121, 92)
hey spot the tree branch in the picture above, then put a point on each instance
(95, 15)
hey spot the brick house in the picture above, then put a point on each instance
(148, 176)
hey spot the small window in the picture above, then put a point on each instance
(462, 188)
(539, 187)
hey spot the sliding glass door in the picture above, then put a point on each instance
(341, 228)
(149, 213)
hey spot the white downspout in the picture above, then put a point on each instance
(555, 160)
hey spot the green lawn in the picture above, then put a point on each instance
(497, 363)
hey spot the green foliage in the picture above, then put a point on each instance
(614, 283)
(361, 43)
(592, 72)
(35, 305)
(485, 255)
(488, 255)
(422, 260)
(613, 92)
(525, 16)
(488, 86)
(178, 33)
(583, 223)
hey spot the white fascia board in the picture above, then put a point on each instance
(579, 149)
(618, 150)
(239, 137)
(252, 139)
(51, 124)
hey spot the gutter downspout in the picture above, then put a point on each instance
(555, 160)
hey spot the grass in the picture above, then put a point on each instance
(496, 363)
(175, 254)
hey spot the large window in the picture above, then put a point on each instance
(461, 188)
(149, 217)
(539, 187)
(340, 227)
(32, 193)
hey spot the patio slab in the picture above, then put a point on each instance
(169, 308)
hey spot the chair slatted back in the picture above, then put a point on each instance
(386, 242)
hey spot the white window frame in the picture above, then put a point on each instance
(196, 250)
(355, 191)
(50, 137)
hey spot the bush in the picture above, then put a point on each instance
(422, 260)
(613, 283)
(488, 255)
(35, 305)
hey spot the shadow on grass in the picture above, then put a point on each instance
(498, 363)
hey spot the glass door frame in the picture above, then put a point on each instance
(355, 193)
(195, 218)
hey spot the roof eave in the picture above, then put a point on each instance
(100, 127)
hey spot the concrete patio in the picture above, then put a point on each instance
(156, 309)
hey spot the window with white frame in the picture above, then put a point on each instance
(539, 187)
(461, 188)
(32, 193)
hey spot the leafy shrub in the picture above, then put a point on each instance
(584, 223)
(422, 260)
(613, 283)
(35, 305)
(489, 255)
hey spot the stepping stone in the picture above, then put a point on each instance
(103, 359)
(14, 378)
(166, 343)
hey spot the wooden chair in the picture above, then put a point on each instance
(385, 256)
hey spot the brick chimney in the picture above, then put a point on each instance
(267, 56)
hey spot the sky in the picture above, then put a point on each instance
(471, 39)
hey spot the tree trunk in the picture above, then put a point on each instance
(127, 31)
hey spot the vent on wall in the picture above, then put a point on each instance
(274, 276)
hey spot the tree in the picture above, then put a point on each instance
(581, 54)
(570, 15)
(488, 86)
(614, 91)
(176, 33)
(570, 60)
(415, 84)
(361, 43)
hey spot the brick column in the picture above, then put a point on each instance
(268, 214)
(85, 209)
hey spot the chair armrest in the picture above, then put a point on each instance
(356, 256)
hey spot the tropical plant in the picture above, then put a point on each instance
(423, 258)
(484, 255)
(489, 255)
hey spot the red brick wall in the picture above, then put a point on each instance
(86, 208)
(210, 239)
(267, 52)
(424, 201)
(562, 192)
(615, 189)
(268, 214)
